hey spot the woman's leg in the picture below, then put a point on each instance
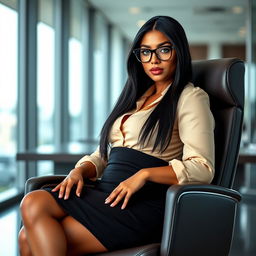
(41, 215)
(23, 244)
(80, 240)
(49, 231)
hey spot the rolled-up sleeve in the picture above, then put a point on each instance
(96, 160)
(196, 131)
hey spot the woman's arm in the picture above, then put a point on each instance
(128, 187)
(87, 170)
(196, 131)
(163, 175)
(96, 160)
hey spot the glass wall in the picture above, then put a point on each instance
(78, 43)
(8, 98)
(68, 61)
(253, 72)
(249, 134)
(45, 78)
(100, 85)
(116, 65)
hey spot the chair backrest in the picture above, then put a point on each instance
(223, 80)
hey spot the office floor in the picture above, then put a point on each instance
(244, 243)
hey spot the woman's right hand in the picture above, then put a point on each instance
(75, 177)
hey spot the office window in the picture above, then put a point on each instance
(8, 99)
(116, 65)
(253, 74)
(100, 76)
(77, 70)
(126, 46)
(45, 78)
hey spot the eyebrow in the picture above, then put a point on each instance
(147, 46)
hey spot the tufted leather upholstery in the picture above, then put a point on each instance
(199, 218)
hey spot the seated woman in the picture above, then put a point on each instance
(159, 133)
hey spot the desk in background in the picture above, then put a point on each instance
(246, 172)
(64, 156)
(70, 153)
(247, 154)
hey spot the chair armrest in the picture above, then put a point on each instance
(177, 190)
(199, 220)
(42, 181)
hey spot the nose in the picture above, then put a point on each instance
(154, 58)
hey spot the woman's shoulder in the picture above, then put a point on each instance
(192, 92)
(192, 95)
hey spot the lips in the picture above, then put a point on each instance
(156, 71)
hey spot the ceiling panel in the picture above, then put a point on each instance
(203, 20)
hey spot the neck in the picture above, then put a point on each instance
(161, 86)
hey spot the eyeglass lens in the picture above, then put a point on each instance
(163, 53)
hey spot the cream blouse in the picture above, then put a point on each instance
(191, 150)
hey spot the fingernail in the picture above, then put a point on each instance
(112, 205)
(78, 194)
(106, 201)
(60, 196)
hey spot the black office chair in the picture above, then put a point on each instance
(199, 218)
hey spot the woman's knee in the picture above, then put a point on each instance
(35, 204)
(30, 206)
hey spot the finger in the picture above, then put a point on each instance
(68, 189)
(62, 189)
(126, 200)
(118, 198)
(79, 187)
(113, 195)
(56, 188)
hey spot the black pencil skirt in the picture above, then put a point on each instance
(140, 222)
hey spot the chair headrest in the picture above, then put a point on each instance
(219, 78)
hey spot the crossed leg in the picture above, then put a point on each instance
(48, 230)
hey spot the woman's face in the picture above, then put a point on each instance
(160, 71)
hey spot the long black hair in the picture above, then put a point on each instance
(163, 116)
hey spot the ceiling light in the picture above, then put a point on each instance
(211, 10)
(134, 10)
(237, 9)
(140, 23)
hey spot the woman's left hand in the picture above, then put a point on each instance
(126, 188)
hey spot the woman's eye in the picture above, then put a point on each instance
(165, 50)
(145, 52)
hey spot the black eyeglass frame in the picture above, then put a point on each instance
(151, 53)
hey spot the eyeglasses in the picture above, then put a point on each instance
(144, 55)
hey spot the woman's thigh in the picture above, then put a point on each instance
(79, 239)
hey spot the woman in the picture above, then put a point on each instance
(159, 133)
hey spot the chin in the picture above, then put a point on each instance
(158, 79)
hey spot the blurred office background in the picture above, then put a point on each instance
(63, 65)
